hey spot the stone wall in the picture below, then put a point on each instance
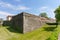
(17, 22)
(25, 22)
(31, 22)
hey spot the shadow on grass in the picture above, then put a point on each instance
(13, 30)
(48, 39)
(49, 28)
(10, 27)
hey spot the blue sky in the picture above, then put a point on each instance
(14, 7)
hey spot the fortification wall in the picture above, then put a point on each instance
(31, 22)
(17, 22)
(25, 22)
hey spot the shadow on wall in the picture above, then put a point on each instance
(9, 26)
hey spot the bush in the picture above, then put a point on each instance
(6, 23)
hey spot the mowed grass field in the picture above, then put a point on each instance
(46, 32)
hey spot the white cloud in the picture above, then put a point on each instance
(42, 9)
(13, 7)
(17, 0)
(5, 13)
(48, 10)
(22, 8)
(1, 17)
(4, 4)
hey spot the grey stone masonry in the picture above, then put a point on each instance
(31, 22)
(25, 22)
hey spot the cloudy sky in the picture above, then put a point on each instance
(13, 7)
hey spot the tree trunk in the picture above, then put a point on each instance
(56, 24)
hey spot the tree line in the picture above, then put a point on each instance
(57, 15)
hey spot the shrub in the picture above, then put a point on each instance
(6, 23)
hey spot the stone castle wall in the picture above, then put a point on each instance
(25, 22)
(17, 22)
(31, 22)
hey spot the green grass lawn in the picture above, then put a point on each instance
(46, 32)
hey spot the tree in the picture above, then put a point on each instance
(57, 15)
(43, 15)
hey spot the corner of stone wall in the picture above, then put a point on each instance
(24, 23)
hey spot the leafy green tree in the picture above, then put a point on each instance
(57, 15)
(43, 15)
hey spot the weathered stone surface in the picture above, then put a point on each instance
(17, 22)
(31, 22)
(25, 22)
